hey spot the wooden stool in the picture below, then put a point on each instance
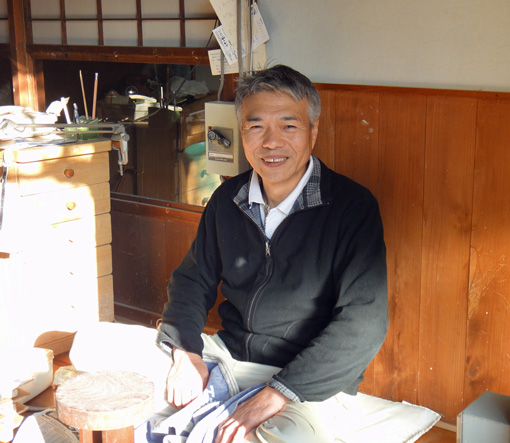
(105, 405)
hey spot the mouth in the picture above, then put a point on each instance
(274, 160)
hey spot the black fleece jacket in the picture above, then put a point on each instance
(312, 300)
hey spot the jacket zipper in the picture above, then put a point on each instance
(264, 282)
(267, 208)
(253, 302)
(260, 288)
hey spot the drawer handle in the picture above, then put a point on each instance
(70, 205)
(69, 173)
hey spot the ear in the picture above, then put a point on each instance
(314, 133)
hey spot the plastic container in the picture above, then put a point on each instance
(26, 372)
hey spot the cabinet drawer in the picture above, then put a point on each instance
(62, 173)
(67, 266)
(48, 152)
(66, 205)
(87, 262)
(71, 263)
(105, 298)
(90, 231)
(85, 232)
(93, 301)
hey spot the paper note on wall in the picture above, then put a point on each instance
(226, 34)
(225, 45)
(260, 34)
(258, 61)
(226, 10)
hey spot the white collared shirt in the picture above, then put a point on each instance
(276, 215)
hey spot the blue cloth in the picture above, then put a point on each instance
(206, 429)
(198, 421)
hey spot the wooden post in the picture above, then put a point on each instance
(25, 72)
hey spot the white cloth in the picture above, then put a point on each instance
(347, 419)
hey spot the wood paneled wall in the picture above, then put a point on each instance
(439, 164)
(149, 240)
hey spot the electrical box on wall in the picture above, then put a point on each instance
(225, 154)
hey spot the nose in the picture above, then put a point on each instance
(272, 139)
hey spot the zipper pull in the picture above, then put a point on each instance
(268, 249)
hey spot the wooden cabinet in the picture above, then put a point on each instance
(55, 243)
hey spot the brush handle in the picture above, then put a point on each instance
(95, 98)
(84, 99)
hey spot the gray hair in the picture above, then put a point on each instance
(279, 79)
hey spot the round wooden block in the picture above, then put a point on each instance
(105, 400)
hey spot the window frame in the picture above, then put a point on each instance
(100, 19)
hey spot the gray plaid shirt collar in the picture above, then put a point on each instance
(309, 197)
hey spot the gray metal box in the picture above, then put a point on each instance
(486, 420)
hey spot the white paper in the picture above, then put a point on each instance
(215, 62)
(226, 45)
(260, 34)
(226, 34)
(226, 10)
(258, 61)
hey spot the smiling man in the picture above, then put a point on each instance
(278, 139)
(300, 254)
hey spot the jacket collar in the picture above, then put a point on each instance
(310, 196)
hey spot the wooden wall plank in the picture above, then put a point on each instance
(448, 197)
(488, 346)
(325, 145)
(356, 137)
(401, 157)
(356, 152)
(139, 267)
(146, 249)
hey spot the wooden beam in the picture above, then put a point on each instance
(139, 25)
(124, 54)
(182, 23)
(63, 23)
(23, 69)
(38, 80)
(100, 31)
(406, 91)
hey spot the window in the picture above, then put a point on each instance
(159, 23)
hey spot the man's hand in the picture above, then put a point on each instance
(250, 414)
(187, 378)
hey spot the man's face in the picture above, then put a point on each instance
(277, 137)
